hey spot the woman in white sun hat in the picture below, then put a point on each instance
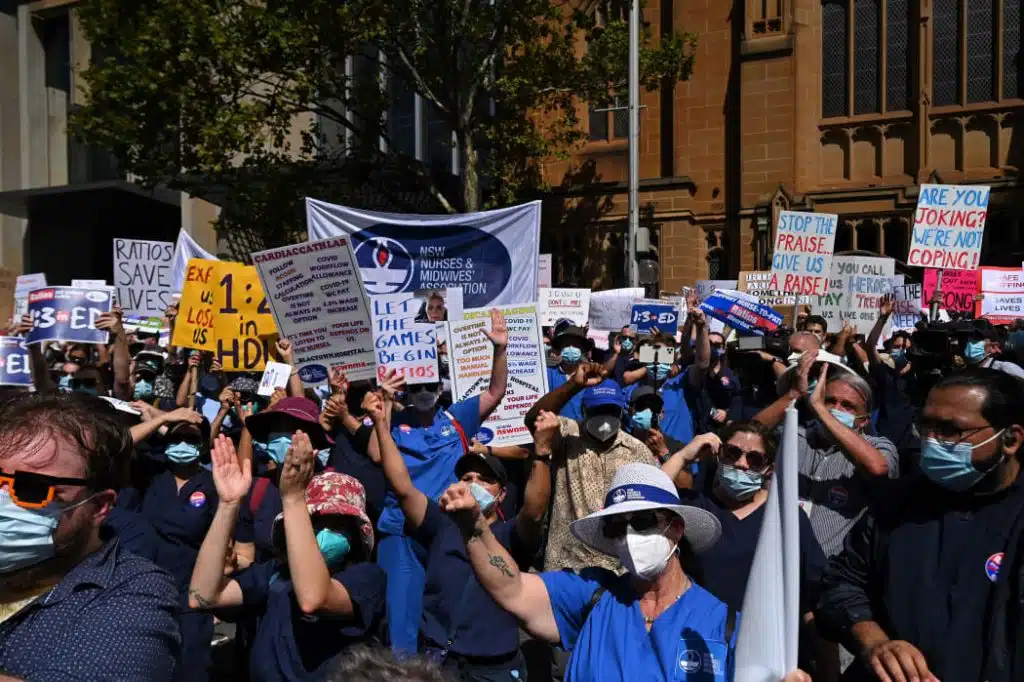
(651, 624)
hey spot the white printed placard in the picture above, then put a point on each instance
(802, 259)
(705, 287)
(611, 310)
(854, 289)
(556, 304)
(544, 271)
(274, 376)
(471, 355)
(402, 344)
(144, 276)
(317, 299)
(949, 226)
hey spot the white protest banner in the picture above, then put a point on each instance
(471, 355)
(401, 343)
(611, 310)
(802, 259)
(906, 311)
(491, 255)
(544, 271)
(854, 289)
(1002, 291)
(949, 225)
(705, 287)
(571, 304)
(15, 367)
(143, 276)
(274, 376)
(185, 249)
(318, 303)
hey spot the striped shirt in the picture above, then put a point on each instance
(832, 492)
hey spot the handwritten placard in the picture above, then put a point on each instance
(959, 287)
(758, 284)
(802, 259)
(402, 344)
(949, 226)
(907, 307)
(143, 275)
(571, 304)
(1002, 294)
(611, 310)
(854, 289)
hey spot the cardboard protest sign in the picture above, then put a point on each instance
(1002, 294)
(193, 327)
(22, 286)
(67, 314)
(611, 310)
(906, 310)
(802, 259)
(544, 271)
(15, 367)
(705, 287)
(649, 314)
(854, 289)
(144, 275)
(318, 302)
(402, 344)
(959, 287)
(949, 226)
(571, 304)
(275, 376)
(740, 313)
(471, 356)
(759, 285)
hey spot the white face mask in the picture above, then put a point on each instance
(644, 556)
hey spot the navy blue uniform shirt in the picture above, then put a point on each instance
(255, 527)
(455, 604)
(135, 532)
(290, 645)
(113, 617)
(348, 456)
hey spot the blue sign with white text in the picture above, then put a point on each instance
(67, 314)
(647, 316)
(741, 313)
(14, 362)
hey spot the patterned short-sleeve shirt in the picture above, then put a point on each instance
(582, 476)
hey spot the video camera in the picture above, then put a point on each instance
(935, 344)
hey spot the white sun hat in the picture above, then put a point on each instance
(835, 363)
(638, 487)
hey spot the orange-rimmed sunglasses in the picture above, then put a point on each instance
(34, 491)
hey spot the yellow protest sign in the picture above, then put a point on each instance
(223, 310)
(194, 326)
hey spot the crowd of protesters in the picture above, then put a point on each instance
(147, 498)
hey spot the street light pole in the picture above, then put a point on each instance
(632, 276)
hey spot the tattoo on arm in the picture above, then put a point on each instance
(475, 535)
(500, 564)
(200, 599)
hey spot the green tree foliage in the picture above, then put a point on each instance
(253, 98)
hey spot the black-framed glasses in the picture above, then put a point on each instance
(34, 491)
(946, 430)
(615, 526)
(730, 454)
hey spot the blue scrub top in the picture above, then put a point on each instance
(677, 394)
(180, 519)
(290, 645)
(430, 454)
(686, 643)
(574, 408)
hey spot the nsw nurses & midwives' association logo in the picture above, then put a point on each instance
(386, 266)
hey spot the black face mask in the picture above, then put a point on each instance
(602, 427)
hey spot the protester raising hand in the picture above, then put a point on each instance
(227, 398)
(277, 396)
(803, 369)
(498, 334)
(885, 305)
(546, 429)
(297, 470)
(231, 474)
(373, 404)
(390, 385)
(338, 382)
(285, 351)
(589, 374)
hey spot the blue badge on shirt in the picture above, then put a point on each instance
(992, 565)
(700, 660)
(447, 430)
(197, 499)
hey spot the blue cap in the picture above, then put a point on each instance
(607, 392)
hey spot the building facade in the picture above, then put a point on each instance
(61, 203)
(835, 106)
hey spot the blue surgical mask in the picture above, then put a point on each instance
(547, 348)
(26, 535)
(65, 383)
(333, 546)
(898, 354)
(717, 352)
(949, 464)
(182, 453)
(975, 351)
(627, 345)
(572, 354)
(738, 484)
(642, 420)
(143, 390)
(277, 446)
(661, 370)
(482, 496)
(811, 385)
(845, 418)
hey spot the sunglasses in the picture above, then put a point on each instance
(615, 526)
(34, 491)
(421, 388)
(730, 454)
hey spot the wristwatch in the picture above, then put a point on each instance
(545, 456)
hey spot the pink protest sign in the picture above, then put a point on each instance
(958, 288)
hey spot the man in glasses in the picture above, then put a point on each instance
(931, 580)
(73, 603)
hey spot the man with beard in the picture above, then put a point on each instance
(74, 604)
(431, 440)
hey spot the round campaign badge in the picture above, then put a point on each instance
(197, 499)
(484, 435)
(838, 496)
(992, 565)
